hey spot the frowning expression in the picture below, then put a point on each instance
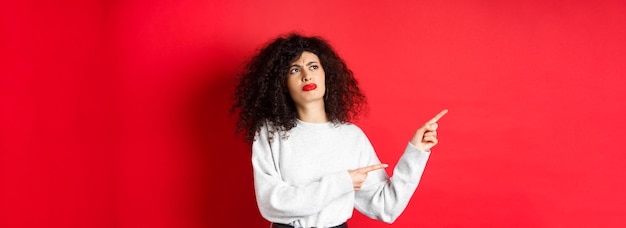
(306, 79)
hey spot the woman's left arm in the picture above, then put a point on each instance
(384, 198)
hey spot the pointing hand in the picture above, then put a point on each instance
(359, 175)
(426, 136)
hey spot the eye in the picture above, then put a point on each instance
(294, 70)
(314, 67)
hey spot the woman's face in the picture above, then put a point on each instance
(306, 79)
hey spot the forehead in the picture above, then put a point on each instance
(306, 57)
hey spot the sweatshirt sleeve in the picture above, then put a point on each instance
(385, 199)
(278, 201)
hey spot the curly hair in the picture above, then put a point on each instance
(262, 97)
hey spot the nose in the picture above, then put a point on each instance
(305, 76)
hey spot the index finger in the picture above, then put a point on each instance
(370, 168)
(438, 116)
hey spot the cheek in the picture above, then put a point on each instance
(323, 80)
(292, 85)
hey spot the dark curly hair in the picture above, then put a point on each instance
(261, 96)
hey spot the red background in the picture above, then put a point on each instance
(115, 113)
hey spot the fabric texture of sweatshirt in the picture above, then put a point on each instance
(303, 179)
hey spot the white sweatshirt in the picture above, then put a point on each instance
(303, 180)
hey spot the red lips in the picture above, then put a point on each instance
(309, 87)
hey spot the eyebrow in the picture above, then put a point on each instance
(308, 64)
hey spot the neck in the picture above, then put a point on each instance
(312, 112)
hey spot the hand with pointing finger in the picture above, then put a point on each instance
(425, 137)
(359, 175)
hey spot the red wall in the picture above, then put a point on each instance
(115, 113)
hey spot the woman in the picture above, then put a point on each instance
(312, 167)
